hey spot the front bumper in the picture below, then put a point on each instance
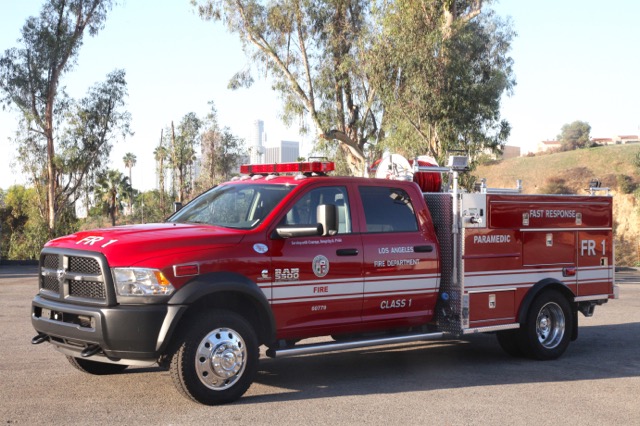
(133, 335)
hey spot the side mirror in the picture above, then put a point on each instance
(327, 215)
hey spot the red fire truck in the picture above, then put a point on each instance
(286, 253)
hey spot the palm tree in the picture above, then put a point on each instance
(129, 161)
(160, 154)
(111, 186)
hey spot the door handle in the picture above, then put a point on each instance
(423, 249)
(347, 252)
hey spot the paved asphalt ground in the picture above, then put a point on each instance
(465, 382)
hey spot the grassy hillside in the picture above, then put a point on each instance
(570, 172)
(576, 167)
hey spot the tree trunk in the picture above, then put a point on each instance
(112, 209)
(354, 154)
(130, 193)
(51, 169)
(173, 161)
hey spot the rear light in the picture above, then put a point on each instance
(300, 167)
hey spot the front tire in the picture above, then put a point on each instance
(547, 331)
(95, 367)
(217, 360)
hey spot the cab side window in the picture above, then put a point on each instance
(303, 212)
(388, 209)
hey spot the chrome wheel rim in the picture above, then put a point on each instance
(221, 359)
(550, 325)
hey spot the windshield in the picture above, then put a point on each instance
(233, 206)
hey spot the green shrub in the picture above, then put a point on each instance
(625, 184)
(555, 185)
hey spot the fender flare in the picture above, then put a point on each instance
(226, 282)
(540, 286)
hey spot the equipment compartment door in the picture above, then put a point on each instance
(492, 307)
(595, 266)
(550, 254)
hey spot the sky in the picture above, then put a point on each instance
(573, 60)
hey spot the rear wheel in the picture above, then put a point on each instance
(547, 331)
(96, 367)
(217, 360)
(509, 342)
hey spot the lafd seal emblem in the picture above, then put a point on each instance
(320, 266)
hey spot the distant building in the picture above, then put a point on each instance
(617, 140)
(545, 146)
(603, 141)
(624, 139)
(257, 138)
(285, 152)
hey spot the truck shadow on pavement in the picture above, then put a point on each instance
(601, 352)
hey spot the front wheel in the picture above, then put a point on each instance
(547, 331)
(217, 360)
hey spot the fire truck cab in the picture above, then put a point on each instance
(286, 253)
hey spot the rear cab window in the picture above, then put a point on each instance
(387, 209)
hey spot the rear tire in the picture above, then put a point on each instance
(509, 342)
(546, 333)
(96, 367)
(217, 360)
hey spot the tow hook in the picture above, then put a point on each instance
(90, 351)
(40, 338)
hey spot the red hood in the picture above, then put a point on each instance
(130, 245)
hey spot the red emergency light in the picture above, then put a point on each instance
(299, 167)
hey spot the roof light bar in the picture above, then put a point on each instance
(300, 167)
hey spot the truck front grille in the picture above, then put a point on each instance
(50, 283)
(83, 265)
(51, 261)
(65, 274)
(87, 289)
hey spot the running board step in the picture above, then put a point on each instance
(316, 348)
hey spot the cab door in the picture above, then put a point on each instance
(317, 282)
(400, 259)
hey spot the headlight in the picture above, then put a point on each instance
(141, 282)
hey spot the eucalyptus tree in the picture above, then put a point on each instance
(314, 52)
(228, 154)
(575, 135)
(441, 67)
(426, 74)
(221, 151)
(30, 76)
(209, 141)
(182, 151)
